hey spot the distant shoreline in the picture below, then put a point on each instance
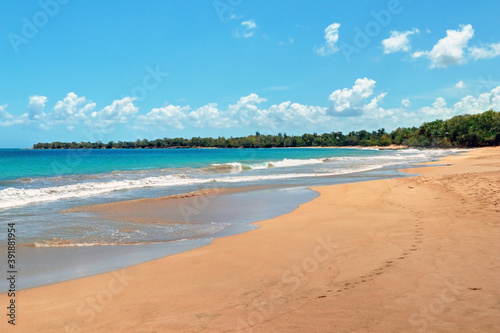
(390, 147)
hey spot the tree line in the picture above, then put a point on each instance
(460, 131)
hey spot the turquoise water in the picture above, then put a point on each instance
(35, 185)
(16, 163)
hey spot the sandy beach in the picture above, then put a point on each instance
(418, 254)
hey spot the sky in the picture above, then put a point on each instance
(75, 70)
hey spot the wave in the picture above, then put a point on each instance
(14, 197)
(403, 154)
(238, 166)
(71, 243)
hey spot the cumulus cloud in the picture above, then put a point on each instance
(352, 102)
(163, 118)
(449, 50)
(472, 104)
(244, 113)
(490, 51)
(294, 115)
(71, 110)
(36, 107)
(6, 119)
(246, 109)
(210, 116)
(356, 108)
(466, 105)
(4, 115)
(118, 112)
(460, 85)
(248, 29)
(331, 39)
(398, 41)
(438, 108)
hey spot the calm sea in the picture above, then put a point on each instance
(37, 185)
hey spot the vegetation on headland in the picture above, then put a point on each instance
(460, 131)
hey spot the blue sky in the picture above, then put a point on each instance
(74, 70)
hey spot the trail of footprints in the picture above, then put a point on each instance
(414, 246)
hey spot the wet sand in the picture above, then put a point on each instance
(416, 254)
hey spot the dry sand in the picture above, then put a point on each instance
(416, 254)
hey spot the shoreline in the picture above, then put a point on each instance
(367, 260)
(389, 147)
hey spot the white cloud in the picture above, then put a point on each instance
(466, 105)
(352, 102)
(210, 116)
(36, 107)
(6, 119)
(246, 109)
(245, 112)
(331, 38)
(163, 118)
(450, 49)
(294, 115)
(71, 112)
(119, 112)
(398, 41)
(485, 101)
(248, 31)
(490, 51)
(72, 109)
(438, 108)
(4, 114)
(460, 85)
(351, 108)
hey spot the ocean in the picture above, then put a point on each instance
(38, 187)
